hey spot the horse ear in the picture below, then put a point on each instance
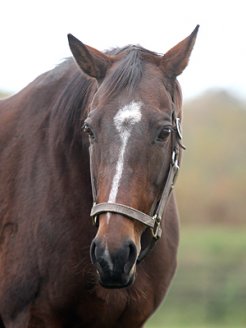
(176, 59)
(91, 61)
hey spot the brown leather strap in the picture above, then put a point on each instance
(153, 222)
(174, 167)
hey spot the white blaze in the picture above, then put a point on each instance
(124, 121)
(108, 257)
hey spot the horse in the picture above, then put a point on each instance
(96, 140)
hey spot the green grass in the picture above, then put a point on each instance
(209, 289)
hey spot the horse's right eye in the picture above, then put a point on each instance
(88, 130)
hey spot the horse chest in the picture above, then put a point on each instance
(115, 308)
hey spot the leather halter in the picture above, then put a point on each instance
(151, 221)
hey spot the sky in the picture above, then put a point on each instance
(33, 36)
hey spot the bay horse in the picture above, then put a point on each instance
(57, 270)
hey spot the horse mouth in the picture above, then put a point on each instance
(115, 269)
(116, 280)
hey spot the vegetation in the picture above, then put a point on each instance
(212, 182)
(209, 287)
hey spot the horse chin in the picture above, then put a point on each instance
(120, 283)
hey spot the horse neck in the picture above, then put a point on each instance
(43, 133)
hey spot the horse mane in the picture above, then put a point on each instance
(69, 109)
(129, 71)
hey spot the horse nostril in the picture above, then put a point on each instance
(93, 251)
(132, 256)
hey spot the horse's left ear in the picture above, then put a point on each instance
(92, 62)
(175, 60)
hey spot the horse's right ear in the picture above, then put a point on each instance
(91, 61)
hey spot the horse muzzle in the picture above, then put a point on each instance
(116, 268)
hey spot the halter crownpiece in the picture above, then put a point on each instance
(151, 221)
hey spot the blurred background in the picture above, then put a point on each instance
(209, 289)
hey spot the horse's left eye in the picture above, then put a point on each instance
(163, 134)
(87, 129)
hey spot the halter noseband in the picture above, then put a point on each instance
(151, 221)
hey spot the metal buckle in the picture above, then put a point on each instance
(156, 227)
(175, 161)
(178, 126)
(95, 220)
(94, 217)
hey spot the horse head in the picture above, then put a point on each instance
(133, 127)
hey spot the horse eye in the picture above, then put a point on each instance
(163, 134)
(87, 129)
